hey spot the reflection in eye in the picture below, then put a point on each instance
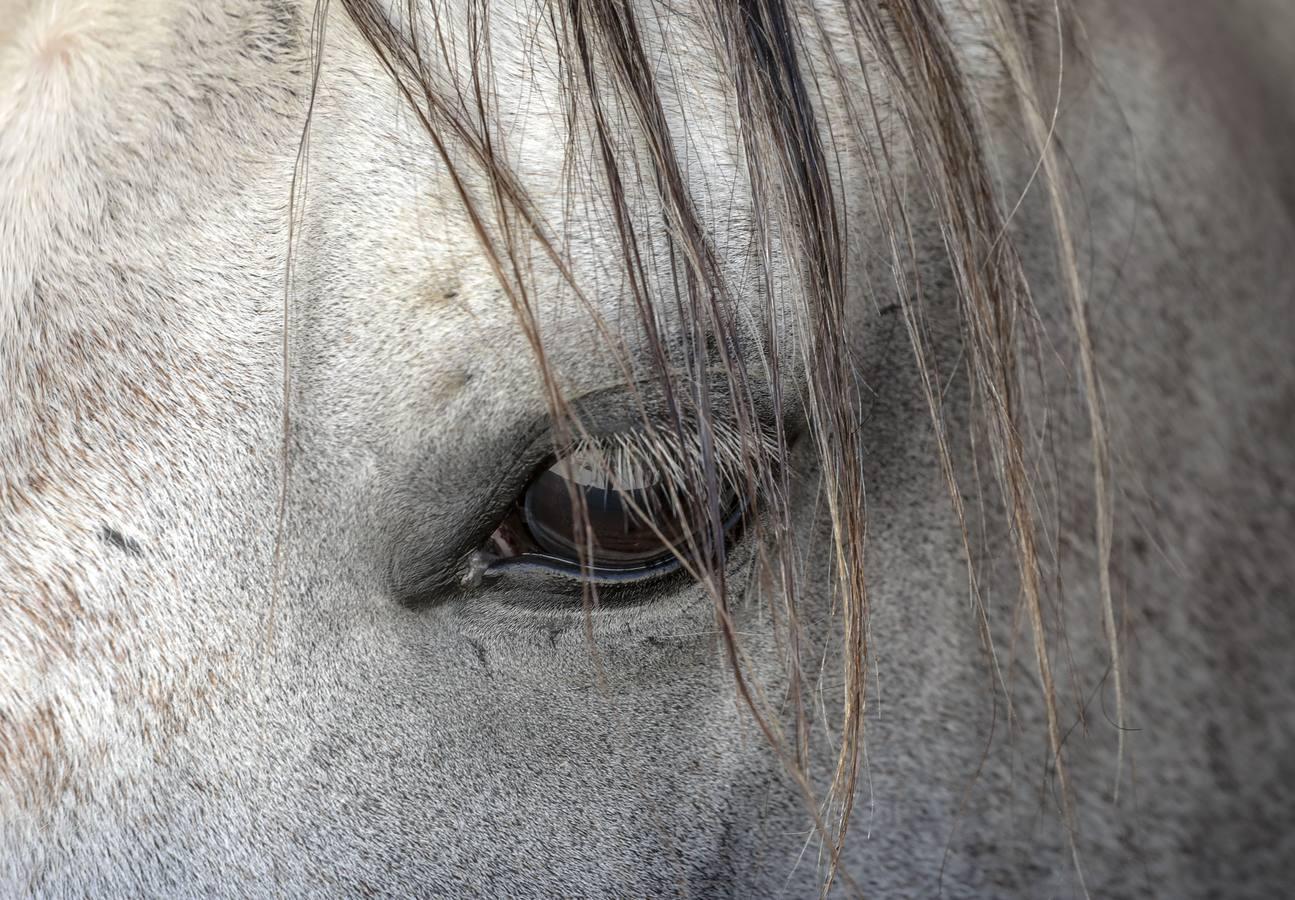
(631, 523)
(619, 505)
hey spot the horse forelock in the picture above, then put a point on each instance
(802, 94)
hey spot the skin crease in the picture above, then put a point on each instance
(168, 729)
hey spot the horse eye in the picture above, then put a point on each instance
(623, 519)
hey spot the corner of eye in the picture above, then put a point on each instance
(419, 586)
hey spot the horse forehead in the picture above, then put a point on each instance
(100, 96)
(58, 63)
(521, 76)
(48, 34)
(120, 148)
(381, 207)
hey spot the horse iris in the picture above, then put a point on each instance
(627, 517)
(598, 513)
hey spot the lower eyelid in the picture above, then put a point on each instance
(542, 563)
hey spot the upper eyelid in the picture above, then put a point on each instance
(674, 455)
(627, 408)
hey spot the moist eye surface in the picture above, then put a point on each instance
(620, 508)
(626, 516)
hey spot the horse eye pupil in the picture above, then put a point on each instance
(625, 528)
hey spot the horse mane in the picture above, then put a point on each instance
(909, 48)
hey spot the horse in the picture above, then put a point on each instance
(642, 448)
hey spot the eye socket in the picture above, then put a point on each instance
(616, 510)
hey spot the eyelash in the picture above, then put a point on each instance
(649, 465)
